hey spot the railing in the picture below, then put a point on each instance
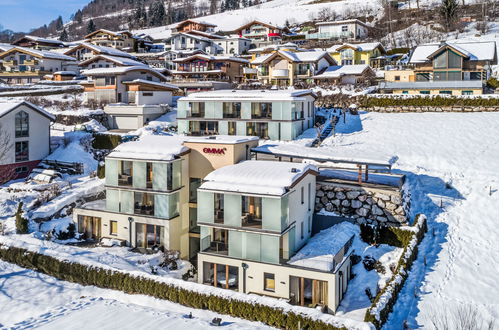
(280, 73)
(249, 71)
(329, 35)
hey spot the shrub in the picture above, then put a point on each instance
(21, 222)
(369, 263)
(493, 83)
(106, 141)
(101, 171)
(421, 101)
(65, 235)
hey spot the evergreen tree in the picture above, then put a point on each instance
(448, 11)
(157, 14)
(170, 14)
(78, 17)
(64, 35)
(21, 222)
(91, 26)
(59, 24)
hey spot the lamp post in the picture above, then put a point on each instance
(130, 221)
(245, 267)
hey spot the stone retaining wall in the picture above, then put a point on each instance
(365, 205)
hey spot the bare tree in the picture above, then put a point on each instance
(462, 318)
(5, 150)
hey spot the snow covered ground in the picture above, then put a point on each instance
(32, 300)
(451, 161)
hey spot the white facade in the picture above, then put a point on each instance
(348, 29)
(233, 45)
(184, 41)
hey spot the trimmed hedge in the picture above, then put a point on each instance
(101, 171)
(400, 275)
(106, 141)
(86, 275)
(394, 236)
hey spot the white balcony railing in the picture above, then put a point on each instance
(280, 73)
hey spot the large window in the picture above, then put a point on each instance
(231, 109)
(219, 208)
(261, 110)
(194, 184)
(446, 60)
(22, 124)
(197, 109)
(251, 211)
(22, 151)
(125, 173)
(144, 203)
(149, 236)
(440, 62)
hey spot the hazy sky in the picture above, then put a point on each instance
(23, 15)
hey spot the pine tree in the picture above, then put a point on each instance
(78, 17)
(21, 222)
(157, 14)
(64, 35)
(91, 26)
(59, 24)
(448, 11)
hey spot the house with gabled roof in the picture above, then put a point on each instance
(27, 131)
(190, 25)
(369, 53)
(351, 29)
(38, 43)
(85, 51)
(261, 33)
(26, 65)
(447, 68)
(107, 61)
(207, 67)
(122, 40)
(286, 68)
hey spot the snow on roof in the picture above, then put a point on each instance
(44, 53)
(151, 147)
(152, 83)
(261, 59)
(105, 50)
(126, 61)
(433, 84)
(320, 250)
(347, 21)
(66, 73)
(8, 106)
(363, 47)
(45, 40)
(304, 56)
(221, 139)
(120, 70)
(257, 177)
(212, 58)
(5, 47)
(225, 94)
(338, 71)
(476, 51)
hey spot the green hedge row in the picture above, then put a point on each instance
(86, 275)
(432, 101)
(106, 141)
(402, 270)
(395, 236)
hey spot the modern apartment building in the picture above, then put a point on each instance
(268, 114)
(151, 189)
(352, 29)
(254, 217)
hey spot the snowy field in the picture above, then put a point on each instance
(451, 161)
(31, 300)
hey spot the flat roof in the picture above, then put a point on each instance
(226, 94)
(151, 147)
(257, 177)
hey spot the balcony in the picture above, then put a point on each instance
(31, 62)
(280, 73)
(250, 71)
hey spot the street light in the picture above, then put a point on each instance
(130, 221)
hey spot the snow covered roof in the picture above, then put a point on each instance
(151, 147)
(257, 177)
(9, 106)
(39, 53)
(124, 61)
(221, 139)
(5, 47)
(474, 51)
(347, 21)
(180, 24)
(253, 95)
(307, 56)
(362, 47)
(320, 250)
(212, 58)
(121, 70)
(40, 39)
(152, 83)
(455, 84)
(338, 71)
(100, 50)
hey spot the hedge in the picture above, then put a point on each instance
(385, 299)
(431, 101)
(106, 141)
(109, 279)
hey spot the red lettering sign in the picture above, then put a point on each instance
(215, 151)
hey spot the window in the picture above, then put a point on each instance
(397, 78)
(454, 60)
(110, 81)
(149, 78)
(302, 195)
(301, 230)
(344, 28)
(22, 169)
(261, 110)
(113, 227)
(219, 208)
(148, 94)
(144, 203)
(424, 92)
(22, 124)
(310, 224)
(405, 92)
(149, 236)
(22, 152)
(309, 196)
(440, 62)
(194, 184)
(445, 92)
(466, 92)
(251, 210)
(269, 282)
(125, 173)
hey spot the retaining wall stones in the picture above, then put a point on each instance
(381, 207)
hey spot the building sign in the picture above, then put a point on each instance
(215, 151)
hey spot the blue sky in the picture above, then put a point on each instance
(24, 15)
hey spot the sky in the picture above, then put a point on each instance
(24, 15)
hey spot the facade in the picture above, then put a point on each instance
(193, 25)
(38, 43)
(25, 136)
(107, 61)
(446, 68)
(122, 40)
(112, 85)
(190, 42)
(261, 33)
(206, 67)
(346, 75)
(365, 53)
(352, 29)
(254, 216)
(286, 68)
(268, 114)
(233, 45)
(151, 190)
(25, 65)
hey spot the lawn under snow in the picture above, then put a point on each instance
(451, 161)
(32, 300)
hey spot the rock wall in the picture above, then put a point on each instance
(381, 207)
